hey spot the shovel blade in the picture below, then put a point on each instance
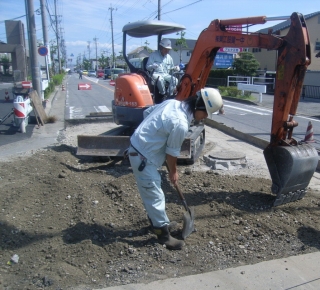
(188, 223)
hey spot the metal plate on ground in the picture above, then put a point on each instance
(227, 155)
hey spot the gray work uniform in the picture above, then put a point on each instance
(161, 132)
(165, 64)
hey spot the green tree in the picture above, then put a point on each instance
(246, 64)
(86, 64)
(104, 61)
(53, 52)
(181, 43)
(5, 63)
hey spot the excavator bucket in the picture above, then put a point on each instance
(291, 169)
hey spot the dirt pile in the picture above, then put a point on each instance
(79, 224)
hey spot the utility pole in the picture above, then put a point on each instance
(95, 40)
(107, 53)
(113, 55)
(45, 36)
(89, 49)
(35, 69)
(159, 18)
(159, 9)
(57, 35)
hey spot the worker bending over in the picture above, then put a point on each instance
(158, 139)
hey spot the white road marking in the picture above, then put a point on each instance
(75, 112)
(102, 109)
(250, 111)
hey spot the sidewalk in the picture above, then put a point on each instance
(294, 273)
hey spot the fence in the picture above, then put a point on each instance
(216, 82)
(234, 80)
(310, 92)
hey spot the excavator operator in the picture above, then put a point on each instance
(158, 139)
(160, 63)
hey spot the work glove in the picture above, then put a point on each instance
(155, 66)
(176, 68)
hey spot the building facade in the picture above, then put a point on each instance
(267, 59)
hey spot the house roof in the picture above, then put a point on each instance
(137, 50)
(285, 24)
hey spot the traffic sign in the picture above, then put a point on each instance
(231, 49)
(43, 50)
(26, 85)
(84, 87)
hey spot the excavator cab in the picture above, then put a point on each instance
(136, 91)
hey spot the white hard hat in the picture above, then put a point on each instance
(166, 43)
(211, 98)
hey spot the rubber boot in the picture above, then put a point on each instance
(165, 238)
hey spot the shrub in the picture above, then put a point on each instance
(234, 92)
(55, 81)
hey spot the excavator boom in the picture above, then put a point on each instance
(291, 165)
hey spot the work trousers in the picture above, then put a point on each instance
(149, 185)
(163, 79)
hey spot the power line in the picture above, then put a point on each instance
(182, 7)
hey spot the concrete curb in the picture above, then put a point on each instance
(262, 144)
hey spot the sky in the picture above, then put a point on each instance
(86, 24)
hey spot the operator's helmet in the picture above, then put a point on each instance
(166, 43)
(211, 98)
(182, 66)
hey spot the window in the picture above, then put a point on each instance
(256, 50)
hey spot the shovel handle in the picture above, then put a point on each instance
(179, 192)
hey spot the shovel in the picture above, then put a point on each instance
(188, 217)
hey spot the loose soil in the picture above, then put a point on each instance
(79, 223)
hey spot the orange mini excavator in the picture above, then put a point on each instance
(291, 164)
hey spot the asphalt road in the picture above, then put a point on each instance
(78, 104)
(256, 120)
(251, 118)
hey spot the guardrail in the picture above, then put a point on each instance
(310, 92)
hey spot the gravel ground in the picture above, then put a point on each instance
(79, 223)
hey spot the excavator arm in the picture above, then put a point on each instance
(291, 165)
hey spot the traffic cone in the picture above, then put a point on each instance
(6, 96)
(309, 134)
